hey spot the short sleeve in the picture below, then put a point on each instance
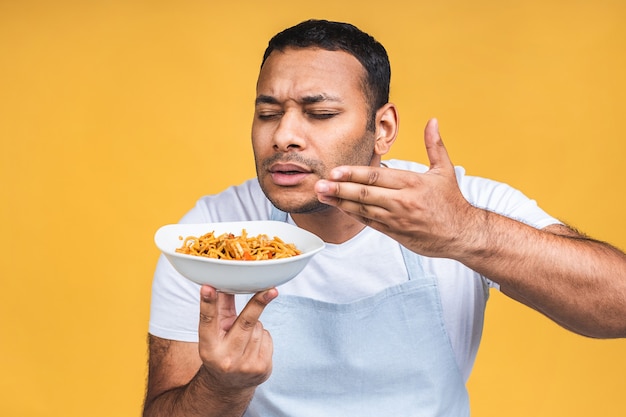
(174, 308)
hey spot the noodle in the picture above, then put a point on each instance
(242, 248)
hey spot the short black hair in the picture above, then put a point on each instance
(334, 36)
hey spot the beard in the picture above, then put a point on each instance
(302, 198)
(285, 198)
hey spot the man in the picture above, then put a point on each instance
(387, 319)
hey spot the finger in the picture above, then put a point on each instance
(367, 175)
(350, 196)
(217, 313)
(208, 308)
(244, 325)
(367, 204)
(363, 185)
(435, 149)
(360, 184)
(260, 342)
(208, 325)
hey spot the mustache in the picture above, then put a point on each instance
(313, 164)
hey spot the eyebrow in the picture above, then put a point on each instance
(317, 98)
(263, 99)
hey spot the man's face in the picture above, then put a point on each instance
(310, 116)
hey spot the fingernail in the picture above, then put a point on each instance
(270, 295)
(322, 186)
(206, 294)
(336, 174)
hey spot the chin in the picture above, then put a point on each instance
(305, 208)
(292, 205)
(293, 200)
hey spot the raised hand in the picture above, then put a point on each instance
(425, 212)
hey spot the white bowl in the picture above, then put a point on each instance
(238, 277)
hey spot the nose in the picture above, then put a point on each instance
(290, 132)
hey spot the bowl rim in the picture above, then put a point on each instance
(254, 263)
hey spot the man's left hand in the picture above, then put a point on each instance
(425, 212)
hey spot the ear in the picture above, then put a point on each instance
(387, 124)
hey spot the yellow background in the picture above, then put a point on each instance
(116, 116)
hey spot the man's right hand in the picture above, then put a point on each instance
(217, 376)
(236, 351)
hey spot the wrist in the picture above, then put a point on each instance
(232, 401)
(475, 239)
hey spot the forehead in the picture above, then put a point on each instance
(294, 73)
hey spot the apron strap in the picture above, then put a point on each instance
(413, 263)
(278, 215)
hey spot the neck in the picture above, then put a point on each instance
(331, 225)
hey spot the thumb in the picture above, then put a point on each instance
(435, 149)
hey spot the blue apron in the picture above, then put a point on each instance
(383, 355)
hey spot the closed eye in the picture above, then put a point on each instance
(269, 116)
(322, 115)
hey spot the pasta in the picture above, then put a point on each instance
(242, 248)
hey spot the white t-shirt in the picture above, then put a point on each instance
(360, 267)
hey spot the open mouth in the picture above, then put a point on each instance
(288, 169)
(288, 174)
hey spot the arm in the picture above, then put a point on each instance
(578, 282)
(218, 375)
